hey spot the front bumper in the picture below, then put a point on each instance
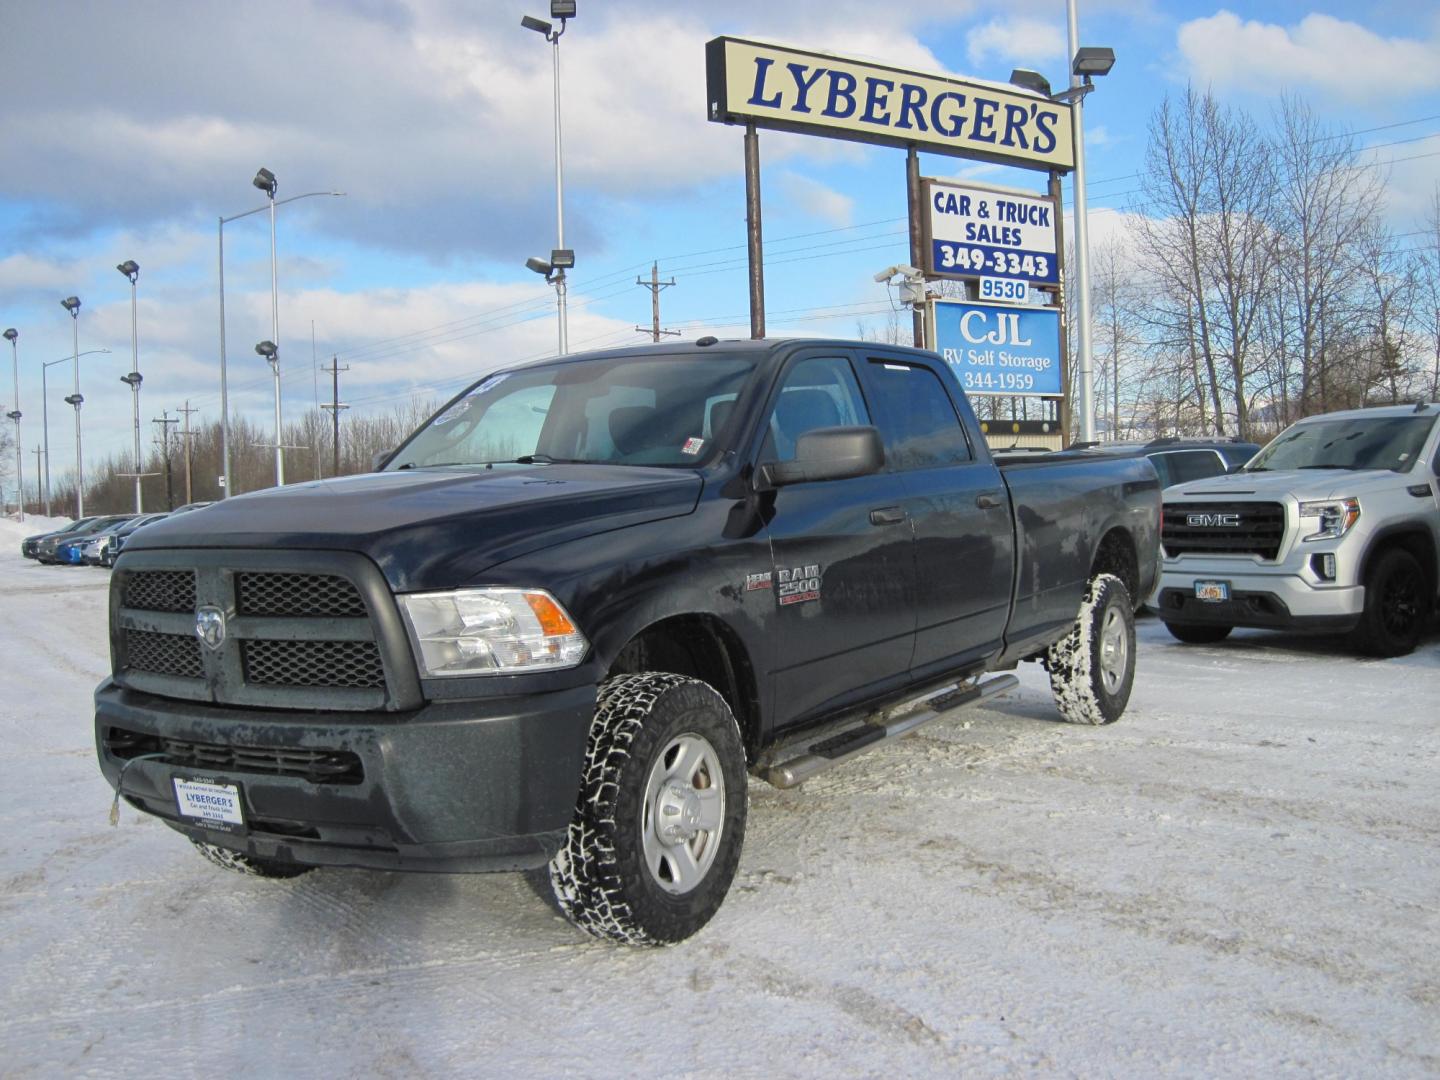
(1266, 601)
(464, 786)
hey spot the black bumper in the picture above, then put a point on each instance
(1255, 610)
(457, 787)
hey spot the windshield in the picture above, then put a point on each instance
(629, 410)
(1366, 442)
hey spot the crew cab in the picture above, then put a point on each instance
(572, 611)
(1333, 527)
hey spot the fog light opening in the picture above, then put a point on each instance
(1323, 565)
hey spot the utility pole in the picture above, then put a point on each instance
(335, 406)
(187, 410)
(165, 420)
(655, 285)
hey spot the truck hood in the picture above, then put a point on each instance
(434, 528)
(1302, 485)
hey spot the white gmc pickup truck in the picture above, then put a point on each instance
(1334, 526)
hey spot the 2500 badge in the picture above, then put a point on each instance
(799, 584)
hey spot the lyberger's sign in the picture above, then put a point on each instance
(778, 87)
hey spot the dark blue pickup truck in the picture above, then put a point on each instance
(564, 621)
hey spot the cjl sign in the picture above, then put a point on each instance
(999, 349)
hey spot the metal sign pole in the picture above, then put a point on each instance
(917, 240)
(1064, 409)
(753, 233)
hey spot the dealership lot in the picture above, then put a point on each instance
(1239, 877)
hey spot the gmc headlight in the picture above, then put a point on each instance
(491, 632)
(1336, 517)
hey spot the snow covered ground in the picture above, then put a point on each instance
(1238, 879)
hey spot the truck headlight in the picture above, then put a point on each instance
(491, 632)
(1336, 517)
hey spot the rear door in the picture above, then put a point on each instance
(959, 511)
(842, 573)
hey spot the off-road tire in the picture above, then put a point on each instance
(1093, 667)
(1398, 605)
(601, 878)
(1198, 633)
(254, 865)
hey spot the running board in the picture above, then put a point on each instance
(855, 741)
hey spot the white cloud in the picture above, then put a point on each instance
(1320, 51)
(817, 200)
(1022, 40)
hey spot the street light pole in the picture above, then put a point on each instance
(225, 488)
(72, 305)
(45, 366)
(14, 414)
(131, 269)
(265, 181)
(1082, 245)
(562, 10)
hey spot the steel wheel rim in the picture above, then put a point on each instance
(1114, 650)
(683, 814)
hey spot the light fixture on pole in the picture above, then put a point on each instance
(131, 269)
(562, 10)
(271, 352)
(72, 305)
(1087, 62)
(225, 484)
(14, 414)
(45, 367)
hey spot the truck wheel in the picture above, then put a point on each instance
(1397, 605)
(1093, 667)
(1198, 633)
(660, 819)
(253, 865)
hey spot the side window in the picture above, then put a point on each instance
(1187, 465)
(818, 392)
(918, 421)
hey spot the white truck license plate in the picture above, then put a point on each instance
(1212, 591)
(218, 804)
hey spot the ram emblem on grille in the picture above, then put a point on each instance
(210, 627)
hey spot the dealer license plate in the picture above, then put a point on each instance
(1213, 591)
(215, 805)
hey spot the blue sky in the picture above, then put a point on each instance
(129, 127)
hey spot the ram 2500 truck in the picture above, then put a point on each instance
(1333, 527)
(573, 611)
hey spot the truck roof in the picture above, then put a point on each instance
(1375, 410)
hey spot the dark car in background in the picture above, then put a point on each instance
(47, 547)
(30, 545)
(1180, 460)
(108, 551)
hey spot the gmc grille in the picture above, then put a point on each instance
(1223, 528)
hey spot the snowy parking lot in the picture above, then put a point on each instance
(1238, 879)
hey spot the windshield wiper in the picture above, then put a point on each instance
(546, 459)
(1350, 468)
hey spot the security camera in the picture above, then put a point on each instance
(902, 269)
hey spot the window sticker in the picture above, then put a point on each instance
(692, 446)
(459, 409)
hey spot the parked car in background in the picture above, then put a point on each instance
(118, 538)
(1178, 460)
(30, 544)
(46, 548)
(1334, 527)
(72, 552)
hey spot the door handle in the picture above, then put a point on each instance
(988, 501)
(887, 515)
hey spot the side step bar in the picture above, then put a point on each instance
(866, 736)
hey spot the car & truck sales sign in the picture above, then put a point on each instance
(995, 349)
(776, 86)
(974, 231)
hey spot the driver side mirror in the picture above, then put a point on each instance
(831, 453)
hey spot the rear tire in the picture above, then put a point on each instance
(1092, 669)
(1198, 633)
(1398, 605)
(660, 819)
(254, 865)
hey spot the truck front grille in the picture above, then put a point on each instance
(313, 663)
(165, 654)
(299, 595)
(161, 590)
(317, 766)
(292, 630)
(1223, 528)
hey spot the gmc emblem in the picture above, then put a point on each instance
(1213, 521)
